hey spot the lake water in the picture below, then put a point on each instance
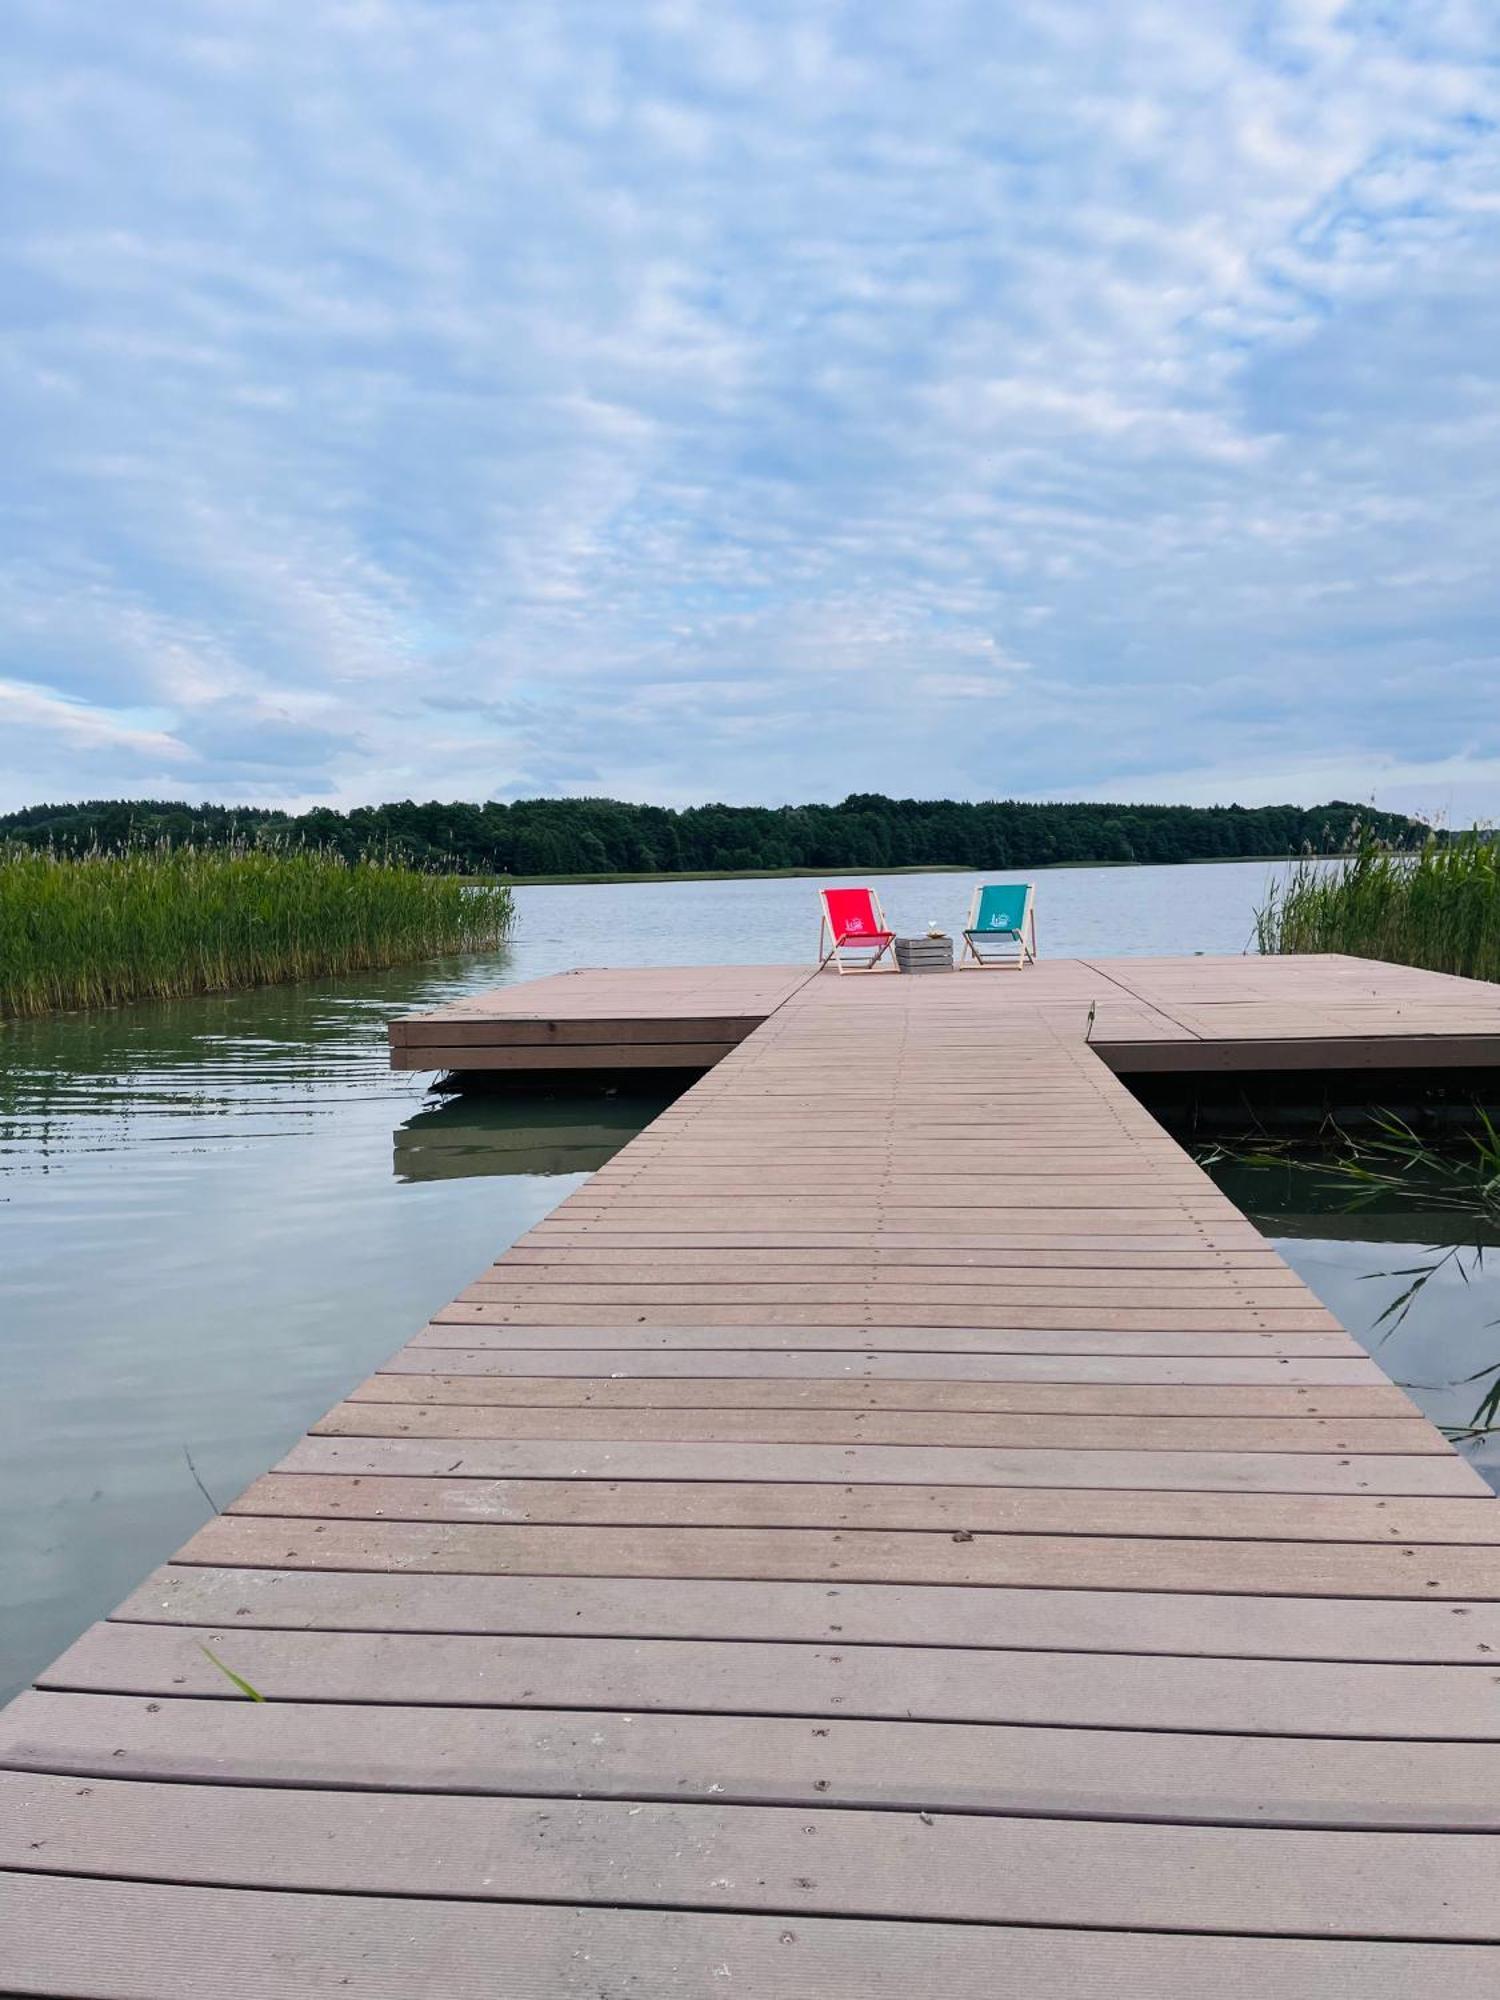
(216, 1215)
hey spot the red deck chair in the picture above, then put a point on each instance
(856, 933)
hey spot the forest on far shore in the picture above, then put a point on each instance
(607, 836)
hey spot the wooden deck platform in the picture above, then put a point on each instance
(896, 1529)
(656, 1017)
(1149, 1015)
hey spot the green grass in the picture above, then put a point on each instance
(159, 923)
(1439, 908)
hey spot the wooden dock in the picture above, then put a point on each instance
(1149, 1015)
(649, 1017)
(896, 1529)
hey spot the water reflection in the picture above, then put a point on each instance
(520, 1131)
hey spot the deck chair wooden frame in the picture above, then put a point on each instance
(1014, 943)
(836, 937)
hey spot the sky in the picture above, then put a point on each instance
(753, 400)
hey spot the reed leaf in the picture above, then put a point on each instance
(250, 1693)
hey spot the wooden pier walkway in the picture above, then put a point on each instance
(897, 1528)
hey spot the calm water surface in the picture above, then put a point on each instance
(216, 1215)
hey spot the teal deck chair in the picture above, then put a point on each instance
(1001, 927)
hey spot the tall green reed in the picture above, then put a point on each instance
(1438, 908)
(159, 922)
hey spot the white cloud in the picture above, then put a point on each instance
(78, 724)
(428, 399)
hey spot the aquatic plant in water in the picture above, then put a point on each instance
(1438, 908)
(162, 922)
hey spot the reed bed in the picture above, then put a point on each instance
(1438, 908)
(160, 922)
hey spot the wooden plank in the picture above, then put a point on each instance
(1033, 1686)
(1292, 1308)
(940, 1429)
(554, 1231)
(965, 1318)
(956, 1867)
(760, 1759)
(1418, 1570)
(1022, 1288)
(1132, 1182)
(1381, 1399)
(939, 1275)
(860, 1154)
(1101, 1268)
(626, 1182)
(635, 1179)
(66, 1937)
(862, 1465)
(1120, 1204)
(834, 1503)
(933, 1226)
(1263, 1341)
(676, 1160)
(911, 1615)
(889, 1364)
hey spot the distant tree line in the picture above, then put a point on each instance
(605, 836)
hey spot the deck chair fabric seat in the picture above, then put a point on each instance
(853, 923)
(1000, 930)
